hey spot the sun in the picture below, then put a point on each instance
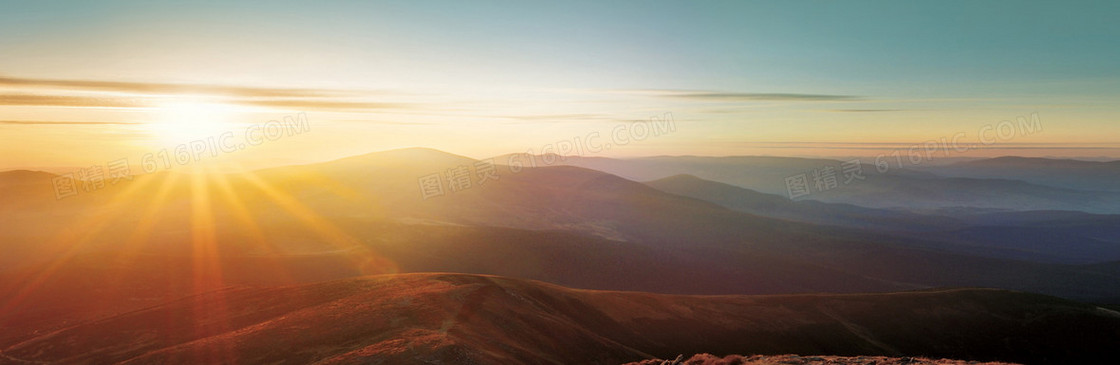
(183, 121)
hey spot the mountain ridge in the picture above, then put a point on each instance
(415, 318)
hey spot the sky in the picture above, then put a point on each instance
(85, 83)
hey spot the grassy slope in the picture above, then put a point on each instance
(456, 318)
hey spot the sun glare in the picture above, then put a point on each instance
(182, 121)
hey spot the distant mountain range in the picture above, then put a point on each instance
(1069, 237)
(1062, 173)
(901, 186)
(771, 205)
(160, 237)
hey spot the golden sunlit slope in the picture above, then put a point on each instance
(455, 318)
(23, 189)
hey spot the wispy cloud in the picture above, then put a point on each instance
(68, 101)
(52, 122)
(552, 116)
(726, 96)
(862, 110)
(60, 93)
(736, 97)
(170, 88)
(556, 118)
(382, 122)
(324, 104)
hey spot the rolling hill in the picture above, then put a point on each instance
(810, 211)
(902, 185)
(1066, 237)
(456, 318)
(1063, 173)
(364, 215)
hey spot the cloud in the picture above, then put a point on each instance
(383, 122)
(723, 96)
(41, 122)
(734, 97)
(50, 92)
(324, 104)
(70, 101)
(555, 118)
(862, 110)
(170, 88)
